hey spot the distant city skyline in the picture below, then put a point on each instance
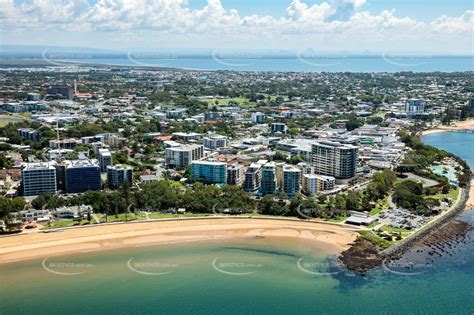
(330, 25)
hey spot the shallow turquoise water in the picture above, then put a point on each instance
(264, 276)
(461, 144)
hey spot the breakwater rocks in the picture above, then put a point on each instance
(443, 240)
(362, 256)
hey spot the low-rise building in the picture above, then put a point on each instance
(311, 183)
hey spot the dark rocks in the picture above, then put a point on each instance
(361, 256)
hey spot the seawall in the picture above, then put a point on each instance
(404, 245)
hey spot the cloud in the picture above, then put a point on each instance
(332, 19)
(463, 24)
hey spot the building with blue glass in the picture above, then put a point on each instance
(82, 175)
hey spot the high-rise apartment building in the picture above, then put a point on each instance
(269, 181)
(253, 176)
(414, 106)
(117, 175)
(235, 174)
(82, 175)
(334, 159)
(291, 180)
(209, 172)
(38, 178)
(184, 155)
(105, 159)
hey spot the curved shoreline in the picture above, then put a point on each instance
(458, 125)
(97, 238)
(464, 202)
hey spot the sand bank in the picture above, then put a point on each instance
(470, 200)
(466, 124)
(94, 238)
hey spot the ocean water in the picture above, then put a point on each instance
(461, 144)
(381, 64)
(244, 276)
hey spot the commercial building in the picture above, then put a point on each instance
(209, 172)
(82, 175)
(278, 127)
(59, 154)
(269, 181)
(63, 144)
(184, 155)
(117, 175)
(311, 183)
(235, 174)
(33, 97)
(148, 179)
(291, 178)
(253, 176)
(62, 90)
(38, 178)
(211, 116)
(23, 107)
(105, 159)
(335, 159)
(30, 134)
(215, 142)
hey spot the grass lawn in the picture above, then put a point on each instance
(338, 219)
(453, 194)
(381, 205)
(157, 215)
(373, 224)
(401, 180)
(6, 119)
(404, 232)
(389, 228)
(57, 224)
(122, 217)
(383, 243)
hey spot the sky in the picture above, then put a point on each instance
(390, 26)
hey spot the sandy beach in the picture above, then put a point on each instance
(470, 200)
(466, 124)
(95, 238)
